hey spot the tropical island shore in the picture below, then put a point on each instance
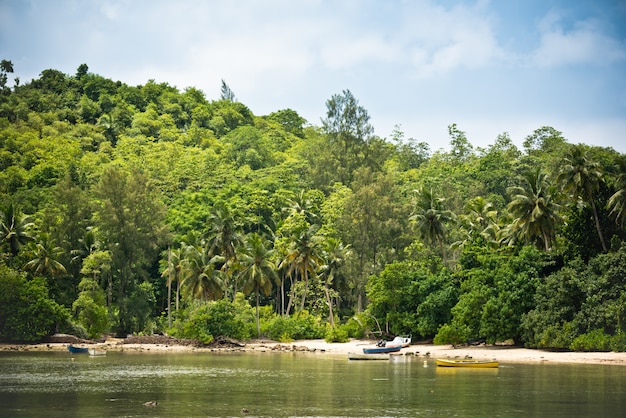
(162, 344)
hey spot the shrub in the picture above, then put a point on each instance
(598, 340)
(301, 326)
(205, 321)
(451, 334)
(337, 334)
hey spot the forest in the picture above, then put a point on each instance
(136, 210)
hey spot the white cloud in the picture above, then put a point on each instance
(585, 43)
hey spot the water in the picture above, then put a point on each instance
(299, 385)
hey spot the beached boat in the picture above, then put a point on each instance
(73, 349)
(94, 352)
(386, 348)
(469, 363)
(403, 341)
(363, 356)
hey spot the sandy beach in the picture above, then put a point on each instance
(504, 354)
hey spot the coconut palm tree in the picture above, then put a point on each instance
(303, 258)
(534, 208)
(45, 254)
(223, 238)
(430, 219)
(14, 228)
(201, 277)
(173, 271)
(617, 202)
(580, 175)
(335, 254)
(257, 271)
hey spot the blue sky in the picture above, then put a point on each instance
(488, 66)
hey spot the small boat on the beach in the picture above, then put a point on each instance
(403, 341)
(363, 356)
(469, 363)
(384, 348)
(94, 352)
(73, 349)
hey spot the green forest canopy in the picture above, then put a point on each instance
(141, 209)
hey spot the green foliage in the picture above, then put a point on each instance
(90, 309)
(26, 311)
(206, 321)
(106, 176)
(411, 299)
(301, 326)
(598, 340)
(336, 335)
(496, 292)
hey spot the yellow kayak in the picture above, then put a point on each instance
(484, 364)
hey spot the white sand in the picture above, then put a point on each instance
(504, 354)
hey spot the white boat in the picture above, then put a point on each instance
(403, 341)
(94, 352)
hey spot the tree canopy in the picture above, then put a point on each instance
(138, 209)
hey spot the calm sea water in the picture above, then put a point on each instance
(298, 385)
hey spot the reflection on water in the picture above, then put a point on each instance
(297, 384)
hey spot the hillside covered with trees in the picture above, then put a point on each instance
(144, 209)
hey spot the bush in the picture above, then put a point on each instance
(451, 334)
(205, 321)
(301, 326)
(598, 340)
(337, 335)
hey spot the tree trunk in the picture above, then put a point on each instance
(169, 287)
(258, 323)
(595, 217)
(331, 316)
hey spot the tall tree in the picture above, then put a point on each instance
(257, 271)
(303, 259)
(535, 208)
(226, 93)
(349, 132)
(223, 239)
(335, 254)
(130, 219)
(581, 176)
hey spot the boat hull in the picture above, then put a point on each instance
(468, 363)
(94, 352)
(363, 356)
(385, 349)
(76, 350)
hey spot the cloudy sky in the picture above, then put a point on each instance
(488, 66)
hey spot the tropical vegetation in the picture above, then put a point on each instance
(147, 209)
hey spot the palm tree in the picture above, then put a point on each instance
(173, 272)
(303, 205)
(201, 278)
(335, 254)
(581, 176)
(533, 205)
(223, 238)
(45, 254)
(303, 258)
(617, 202)
(430, 219)
(257, 271)
(14, 228)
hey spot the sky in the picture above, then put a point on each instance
(417, 66)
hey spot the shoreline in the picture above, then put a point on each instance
(504, 354)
